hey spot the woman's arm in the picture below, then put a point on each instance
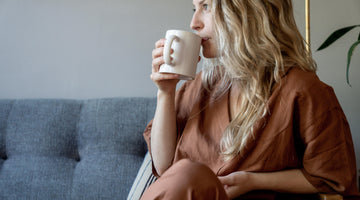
(287, 181)
(163, 131)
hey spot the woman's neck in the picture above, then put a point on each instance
(234, 101)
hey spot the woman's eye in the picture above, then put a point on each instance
(205, 6)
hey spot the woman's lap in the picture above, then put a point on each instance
(187, 180)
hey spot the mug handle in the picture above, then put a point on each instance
(167, 49)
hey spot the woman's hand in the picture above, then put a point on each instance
(165, 82)
(237, 183)
(163, 130)
(287, 181)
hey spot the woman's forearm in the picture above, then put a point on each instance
(287, 181)
(163, 132)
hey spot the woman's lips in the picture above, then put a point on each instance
(204, 39)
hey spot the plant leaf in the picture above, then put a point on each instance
(335, 36)
(350, 53)
(359, 37)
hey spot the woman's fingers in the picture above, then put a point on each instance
(156, 77)
(157, 55)
(156, 63)
(160, 52)
(164, 81)
(227, 180)
(160, 43)
(157, 52)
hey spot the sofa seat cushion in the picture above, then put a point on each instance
(71, 149)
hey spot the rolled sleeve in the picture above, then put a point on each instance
(329, 159)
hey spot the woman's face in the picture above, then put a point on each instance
(202, 24)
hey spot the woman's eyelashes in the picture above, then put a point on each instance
(204, 7)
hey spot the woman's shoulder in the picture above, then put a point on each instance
(308, 98)
(301, 81)
(308, 90)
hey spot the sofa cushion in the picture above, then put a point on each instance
(41, 149)
(111, 146)
(71, 149)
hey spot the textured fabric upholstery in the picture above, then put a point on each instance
(71, 149)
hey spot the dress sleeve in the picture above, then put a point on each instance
(147, 135)
(328, 158)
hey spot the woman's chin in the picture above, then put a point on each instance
(208, 54)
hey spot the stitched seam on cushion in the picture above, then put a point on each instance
(6, 129)
(81, 102)
(7, 124)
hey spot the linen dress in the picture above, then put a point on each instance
(304, 128)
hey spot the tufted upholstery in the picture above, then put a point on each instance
(71, 149)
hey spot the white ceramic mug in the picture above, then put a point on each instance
(186, 46)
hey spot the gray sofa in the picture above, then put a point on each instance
(71, 149)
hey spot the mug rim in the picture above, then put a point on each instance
(182, 31)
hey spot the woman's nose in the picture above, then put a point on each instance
(196, 22)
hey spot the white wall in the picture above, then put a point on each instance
(102, 48)
(82, 48)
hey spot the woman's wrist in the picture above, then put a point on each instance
(254, 182)
(261, 181)
(165, 94)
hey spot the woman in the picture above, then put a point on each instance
(255, 122)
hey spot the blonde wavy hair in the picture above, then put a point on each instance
(257, 40)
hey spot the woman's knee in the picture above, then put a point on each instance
(191, 172)
(195, 179)
(187, 180)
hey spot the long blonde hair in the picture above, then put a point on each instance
(255, 40)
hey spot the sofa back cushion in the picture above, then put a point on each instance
(71, 149)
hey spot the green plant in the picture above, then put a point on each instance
(335, 36)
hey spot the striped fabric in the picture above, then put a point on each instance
(143, 179)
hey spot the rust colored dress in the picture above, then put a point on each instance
(305, 128)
